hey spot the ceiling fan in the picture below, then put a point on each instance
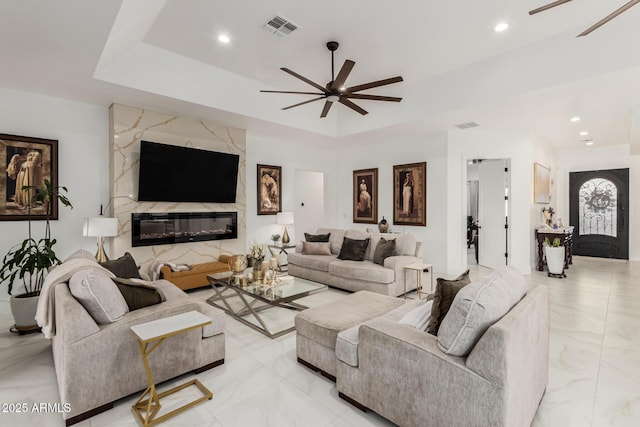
(335, 91)
(595, 26)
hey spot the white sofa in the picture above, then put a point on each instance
(387, 279)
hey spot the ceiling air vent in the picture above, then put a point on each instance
(467, 125)
(280, 26)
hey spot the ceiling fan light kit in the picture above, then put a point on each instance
(595, 26)
(335, 91)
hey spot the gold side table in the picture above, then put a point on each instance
(419, 268)
(150, 335)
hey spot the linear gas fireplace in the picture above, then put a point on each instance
(168, 228)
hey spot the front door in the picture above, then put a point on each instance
(598, 209)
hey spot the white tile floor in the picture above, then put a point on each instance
(594, 375)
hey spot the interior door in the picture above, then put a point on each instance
(492, 242)
(309, 202)
(598, 209)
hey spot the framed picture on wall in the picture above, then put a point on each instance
(26, 162)
(410, 194)
(365, 196)
(269, 189)
(541, 184)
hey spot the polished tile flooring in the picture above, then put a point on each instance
(594, 374)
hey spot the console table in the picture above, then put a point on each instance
(566, 240)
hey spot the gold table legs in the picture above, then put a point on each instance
(151, 405)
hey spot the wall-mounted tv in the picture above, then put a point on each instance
(169, 173)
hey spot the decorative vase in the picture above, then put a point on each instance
(257, 271)
(23, 308)
(237, 263)
(555, 259)
(383, 225)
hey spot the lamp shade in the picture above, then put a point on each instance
(100, 227)
(284, 218)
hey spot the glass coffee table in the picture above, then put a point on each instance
(256, 297)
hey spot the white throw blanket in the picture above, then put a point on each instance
(155, 268)
(45, 315)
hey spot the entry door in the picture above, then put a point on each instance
(492, 242)
(598, 209)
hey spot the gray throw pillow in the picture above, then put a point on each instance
(138, 295)
(384, 250)
(316, 248)
(124, 267)
(353, 249)
(443, 297)
(97, 293)
(317, 237)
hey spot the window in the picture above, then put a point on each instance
(598, 208)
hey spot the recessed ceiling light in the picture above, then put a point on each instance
(500, 27)
(584, 133)
(470, 162)
(588, 142)
(574, 119)
(223, 38)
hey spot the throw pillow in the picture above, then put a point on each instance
(97, 293)
(124, 267)
(418, 317)
(477, 307)
(316, 248)
(384, 250)
(138, 294)
(317, 237)
(446, 291)
(353, 250)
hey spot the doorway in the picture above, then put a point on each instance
(598, 206)
(488, 212)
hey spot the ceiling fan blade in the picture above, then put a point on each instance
(373, 97)
(343, 74)
(548, 6)
(345, 101)
(326, 108)
(371, 85)
(306, 80)
(285, 91)
(305, 102)
(609, 17)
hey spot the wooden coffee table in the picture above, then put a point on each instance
(256, 298)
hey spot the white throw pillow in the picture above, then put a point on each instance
(98, 294)
(418, 317)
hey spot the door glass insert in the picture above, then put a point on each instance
(598, 208)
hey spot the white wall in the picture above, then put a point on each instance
(601, 158)
(82, 132)
(384, 155)
(481, 144)
(291, 156)
(546, 157)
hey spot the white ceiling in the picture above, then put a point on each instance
(165, 55)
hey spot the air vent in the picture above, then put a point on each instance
(467, 125)
(280, 26)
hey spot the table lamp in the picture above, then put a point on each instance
(100, 227)
(285, 218)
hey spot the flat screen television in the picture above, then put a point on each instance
(169, 173)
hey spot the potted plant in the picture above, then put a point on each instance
(275, 238)
(30, 260)
(256, 255)
(554, 253)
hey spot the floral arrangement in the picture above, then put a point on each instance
(548, 210)
(275, 237)
(257, 253)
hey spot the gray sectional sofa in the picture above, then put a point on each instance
(387, 279)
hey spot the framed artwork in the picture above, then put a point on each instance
(26, 161)
(410, 194)
(365, 196)
(541, 184)
(269, 189)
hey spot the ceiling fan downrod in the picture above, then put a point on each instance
(332, 46)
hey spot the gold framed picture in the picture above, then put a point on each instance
(269, 189)
(410, 194)
(365, 196)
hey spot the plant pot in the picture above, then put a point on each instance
(23, 308)
(555, 259)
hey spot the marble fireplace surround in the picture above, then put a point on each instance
(130, 125)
